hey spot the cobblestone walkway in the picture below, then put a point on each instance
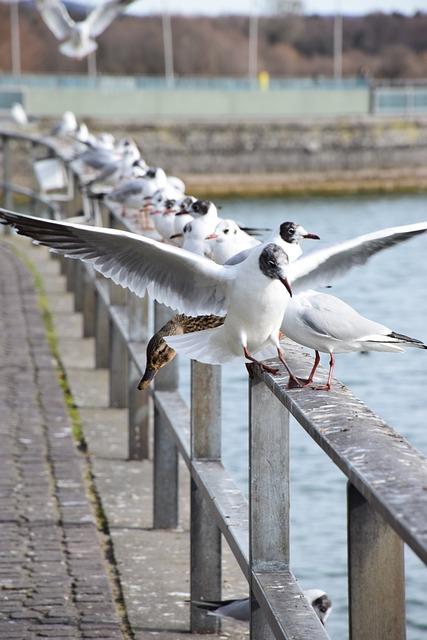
(53, 579)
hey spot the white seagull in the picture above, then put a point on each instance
(325, 323)
(249, 293)
(79, 36)
(239, 609)
(229, 239)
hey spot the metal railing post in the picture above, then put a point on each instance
(119, 363)
(78, 285)
(102, 333)
(268, 491)
(205, 537)
(139, 401)
(375, 573)
(165, 455)
(7, 174)
(89, 302)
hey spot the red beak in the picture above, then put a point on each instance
(211, 236)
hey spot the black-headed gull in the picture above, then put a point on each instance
(229, 239)
(239, 609)
(79, 36)
(250, 293)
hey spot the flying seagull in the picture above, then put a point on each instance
(79, 37)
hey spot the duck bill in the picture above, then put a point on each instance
(311, 236)
(286, 283)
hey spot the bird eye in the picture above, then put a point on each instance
(226, 230)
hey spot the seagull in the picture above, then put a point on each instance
(193, 238)
(66, 126)
(230, 239)
(240, 609)
(249, 293)
(79, 36)
(182, 219)
(325, 323)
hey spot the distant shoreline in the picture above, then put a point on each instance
(303, 184)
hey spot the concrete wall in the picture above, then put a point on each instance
(321, 144)
(201, 104)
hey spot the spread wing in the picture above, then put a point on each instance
(101, 17)
(56, 17)
(184, 281)
(322, 267)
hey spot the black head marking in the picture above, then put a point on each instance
(151, 173)
(201, 207)
(271, 261)
(322, 604)
(287, 231)
(187, 228)
(169, 203)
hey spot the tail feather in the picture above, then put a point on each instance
(410, 342)
(208, 346)
(391, 342)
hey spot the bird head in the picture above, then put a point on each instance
(293, 233)
(273, 261)
(201, 208)
(225, 231)
(158, 355)
(320, 602)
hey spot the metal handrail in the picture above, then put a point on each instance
(387, 500)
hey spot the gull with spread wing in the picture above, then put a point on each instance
(250, 293)
(79, 36)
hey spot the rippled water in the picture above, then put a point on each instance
(391, 289)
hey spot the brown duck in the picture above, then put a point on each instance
(159, 353)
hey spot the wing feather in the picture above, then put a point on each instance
(182, 280)
(322, 267)
(101, 17)
(56, 17)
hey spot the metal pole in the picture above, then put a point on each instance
(168, 48)
(268, 491)
(253, 46)
(15, 46)
(205, 537)
(338, 45)
(375, 573)
(165, 454)
(91, 66)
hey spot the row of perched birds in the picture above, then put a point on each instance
(260, 290)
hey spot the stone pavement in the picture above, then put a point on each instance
(54, 580)
(152, 565)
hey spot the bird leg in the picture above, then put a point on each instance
(327, 386)
(263, 366)
(294, 382)
(309, 380)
